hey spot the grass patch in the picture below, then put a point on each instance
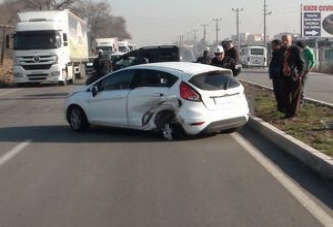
(309, 127)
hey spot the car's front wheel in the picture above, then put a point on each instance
(77, 119)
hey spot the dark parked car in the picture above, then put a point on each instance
(152, 54)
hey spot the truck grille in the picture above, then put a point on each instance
(33, 67)
(37, 62)
(37, 77)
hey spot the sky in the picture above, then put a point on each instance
(164, 21)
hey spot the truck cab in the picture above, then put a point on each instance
(49, 47)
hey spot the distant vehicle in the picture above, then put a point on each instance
(89, 65)
(116, 55)
(124, 46)
(253, 56)
(49, 47)
(174, 98)
(108, 45)
(152, 54)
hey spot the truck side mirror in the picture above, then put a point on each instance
(7, 41)
(65, 38)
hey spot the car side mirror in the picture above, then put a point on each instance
(94, 90)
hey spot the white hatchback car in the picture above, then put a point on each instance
(175, 98)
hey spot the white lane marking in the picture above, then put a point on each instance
(13, 152)
(324, 218)
(9, 91)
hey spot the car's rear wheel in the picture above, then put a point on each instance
(173, 131)
(77, 119)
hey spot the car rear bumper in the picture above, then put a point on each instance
(225, 124)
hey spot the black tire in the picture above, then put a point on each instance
(178, 132)
(171, 130)
(77, 119)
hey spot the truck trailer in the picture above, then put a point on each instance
(49, 47)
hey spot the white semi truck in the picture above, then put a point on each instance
(49, 47)
(108, 45)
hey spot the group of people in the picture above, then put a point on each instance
(226, 55)
(288, 71)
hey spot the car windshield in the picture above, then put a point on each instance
(214, 80)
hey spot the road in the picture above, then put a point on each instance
(319, 86)
(51, 176)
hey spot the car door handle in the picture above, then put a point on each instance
(158, 95)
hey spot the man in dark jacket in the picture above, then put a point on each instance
(223, 61)
(230, 50)
(205, 58)
(275, 69)
(292, 71)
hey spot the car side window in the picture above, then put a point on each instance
(153, 78)
(117, 81)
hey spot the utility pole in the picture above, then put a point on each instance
(237, 10)
(194, 41)
(266, 13)
(217, 29)
(204, 33)
(181, 39)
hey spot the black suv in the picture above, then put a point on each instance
(151, 54)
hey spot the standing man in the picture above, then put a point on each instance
(97, 64)
(223, 61)
(310, 63)
(275, 69)
(292, 71)
(230, 50)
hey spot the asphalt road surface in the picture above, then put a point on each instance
(51, 176)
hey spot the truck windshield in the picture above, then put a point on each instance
(37, 40)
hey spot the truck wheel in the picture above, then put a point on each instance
(77, 119)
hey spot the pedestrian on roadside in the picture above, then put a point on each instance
(205, 58)
(310, 63)
(230, 50)
(275, 69)
(223, 61)
(292, 71)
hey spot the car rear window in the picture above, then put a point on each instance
(214, 80)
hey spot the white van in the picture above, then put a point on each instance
(253, 56)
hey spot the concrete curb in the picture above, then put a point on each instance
(311, 157)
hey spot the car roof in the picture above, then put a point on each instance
(185, 67)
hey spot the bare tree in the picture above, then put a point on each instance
(101, 22)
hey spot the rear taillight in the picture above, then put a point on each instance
(188, 93)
